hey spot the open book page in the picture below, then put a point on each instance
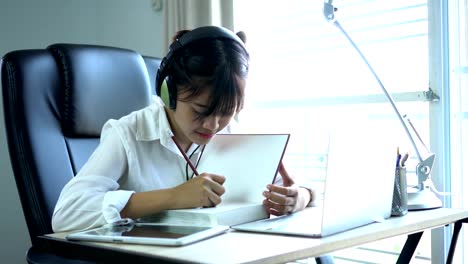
(248, 161)
(224, 214)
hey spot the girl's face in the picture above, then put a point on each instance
(188, 128)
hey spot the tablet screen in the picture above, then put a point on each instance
(149, 231)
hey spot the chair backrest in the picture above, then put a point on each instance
(56, 101)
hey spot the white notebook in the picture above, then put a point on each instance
(248, 161)
(358, 189)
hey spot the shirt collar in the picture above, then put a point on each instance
(152, 124)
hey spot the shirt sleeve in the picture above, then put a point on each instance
(92, 197)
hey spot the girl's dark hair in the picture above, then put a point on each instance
(215, 64)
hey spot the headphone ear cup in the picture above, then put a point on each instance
(165, 93)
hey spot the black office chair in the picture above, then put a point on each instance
(56, 101)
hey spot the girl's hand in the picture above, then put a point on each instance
(285, 199)
(204, 190)
(281, 200)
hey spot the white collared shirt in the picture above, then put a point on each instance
(135, 154)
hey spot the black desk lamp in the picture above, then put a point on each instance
(424, 195)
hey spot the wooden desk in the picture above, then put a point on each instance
(240, 247)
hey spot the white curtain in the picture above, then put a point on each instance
(189, 14)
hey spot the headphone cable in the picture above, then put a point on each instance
(196, 164)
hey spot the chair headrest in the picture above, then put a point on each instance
(99, 83)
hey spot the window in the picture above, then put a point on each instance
(305, 76)
(458, 54)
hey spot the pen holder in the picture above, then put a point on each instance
(400, 193)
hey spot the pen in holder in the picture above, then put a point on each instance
(400, 194)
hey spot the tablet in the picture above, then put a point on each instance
(149, 234)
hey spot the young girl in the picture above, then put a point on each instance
(138, 169)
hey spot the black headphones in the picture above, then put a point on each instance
(164, 87)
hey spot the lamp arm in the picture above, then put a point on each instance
(389, 97)
(424, 167)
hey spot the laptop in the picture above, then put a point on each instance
(358, 188)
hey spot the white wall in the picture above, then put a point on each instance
(31, 24)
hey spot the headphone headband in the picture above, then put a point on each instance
(206, 32)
